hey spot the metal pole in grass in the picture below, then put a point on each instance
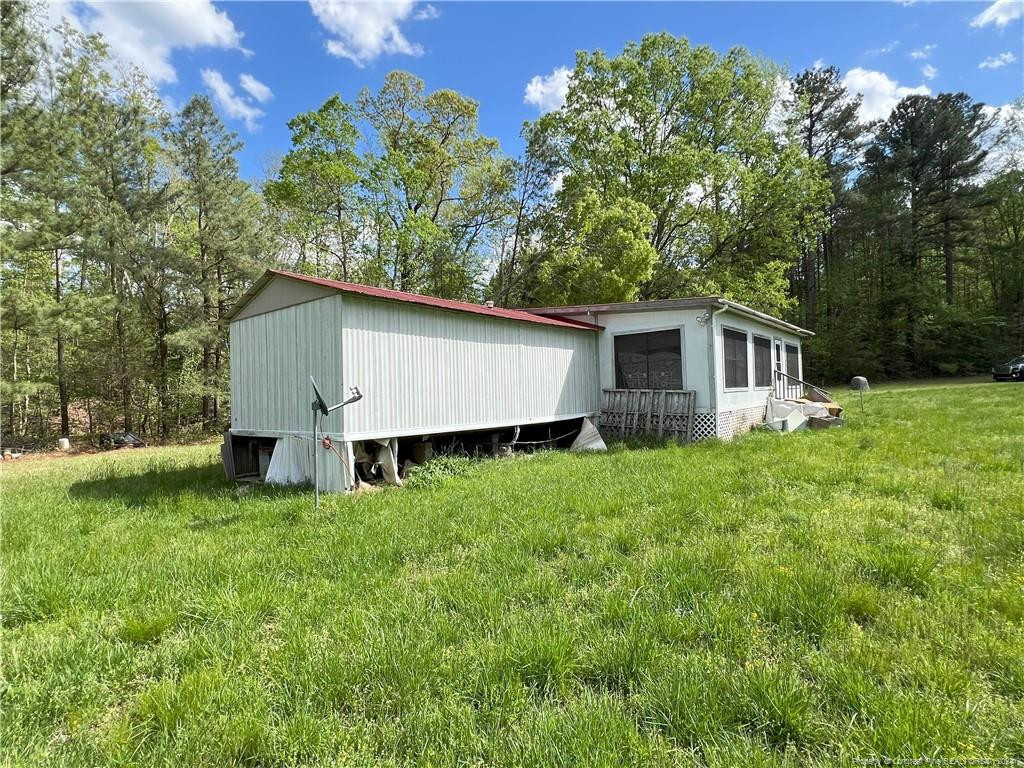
(321, 409)
(316, 453)
(860, 384)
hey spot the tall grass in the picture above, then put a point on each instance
(806, 599)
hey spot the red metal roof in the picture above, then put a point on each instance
(428, 301)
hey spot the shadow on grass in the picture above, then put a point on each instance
(136, 489)
(168, 482)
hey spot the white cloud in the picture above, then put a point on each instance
(255, 88)
(548, 92)
(365, 30)
(995, 62)
(233, 104)
(928, 72)
(887, 48)
(881, 93)
(147, 33)
(1000, 13)
(923, 52)
(818, 64)
(1005, 139)
(426, 13)
(782, 107)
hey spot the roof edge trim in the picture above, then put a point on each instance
(692, 302)
(387, 294)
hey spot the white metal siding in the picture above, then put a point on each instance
(425, 370)
(749, 396)
(702, 349)
(694, 346)
(272, 358)
(281, 292)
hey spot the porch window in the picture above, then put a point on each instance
(648, 361)
(793, 360)
(762, 361)
(735, 346)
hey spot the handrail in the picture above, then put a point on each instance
(783, 386)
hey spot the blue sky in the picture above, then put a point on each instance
(264, 62)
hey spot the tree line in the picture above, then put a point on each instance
(671, 170)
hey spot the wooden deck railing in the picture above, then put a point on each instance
(661, 412)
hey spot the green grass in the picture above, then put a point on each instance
(905, 384)
(807, 599)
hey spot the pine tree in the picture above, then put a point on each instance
(213, 205)
(120, 154)
(21, 51)
(52, 203)
(826, 123)
(958, 126)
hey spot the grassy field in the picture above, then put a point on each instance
(820, 598)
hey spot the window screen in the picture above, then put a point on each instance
(735, 358)
(648, 361)
(762, 361)
(793, 360)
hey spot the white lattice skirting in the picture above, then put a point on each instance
(726, 424)
(703, 426)
(732, 423)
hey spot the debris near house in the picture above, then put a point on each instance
(378, 459)
(820, 397)
(47, 452)
(797, 404)
(589, 438)
(802, 413)
(111, 440)
(13, 453)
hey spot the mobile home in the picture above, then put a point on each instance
(430, 367)
(732, 357)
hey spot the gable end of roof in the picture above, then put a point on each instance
(387, 294)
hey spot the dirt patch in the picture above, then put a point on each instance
(48, 455)
(88, 449)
